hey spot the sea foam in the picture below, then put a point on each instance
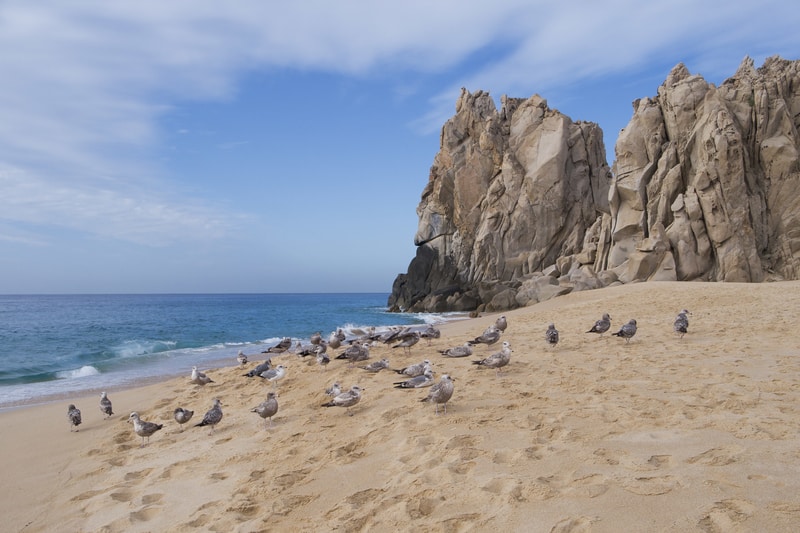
(82, 372)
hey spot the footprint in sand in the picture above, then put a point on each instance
(423, 504)
(149, 499)
(138, 475)
(726, 515)
(122, 496)
(717, 456)
(581, 524)
(650, 485)
(291, 479)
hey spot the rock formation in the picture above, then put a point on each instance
(521, 206)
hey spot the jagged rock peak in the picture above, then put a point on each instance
(521, 206)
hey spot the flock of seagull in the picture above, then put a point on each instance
(415, 376)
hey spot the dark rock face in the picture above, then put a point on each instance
(521, 206)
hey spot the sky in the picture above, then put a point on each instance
(197, 146)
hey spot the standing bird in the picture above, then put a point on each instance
(316, 338)
(551, 335)
(267, 409)
(497, 360)
(105, 405)
(212, 416)
(440, 393)
(74, 417)
(242, 358)
(430, 333)
(408, 341)
(346, 399)
(602, 325)
(501, 323)
(681, 324)
(199, 378)
(458, 351)
(334, 342)
(490, 336)
(142, 428)
(274, 374)
(182, 416)
(323, 359)
(627, 331)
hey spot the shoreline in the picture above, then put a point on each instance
(658, 434)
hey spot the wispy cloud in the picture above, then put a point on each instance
(85, 83)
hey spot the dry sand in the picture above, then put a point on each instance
(662, 434)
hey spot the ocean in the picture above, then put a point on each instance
(58, 346)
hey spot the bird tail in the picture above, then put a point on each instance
(329, 404)
(477, 362)
(203, 423)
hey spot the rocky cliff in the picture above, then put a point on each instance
(521, 206)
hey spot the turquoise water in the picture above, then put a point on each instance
(67, 344)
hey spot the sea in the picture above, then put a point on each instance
(60, 346)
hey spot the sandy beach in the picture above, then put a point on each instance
(593, 435)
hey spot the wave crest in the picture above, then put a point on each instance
(82, 372)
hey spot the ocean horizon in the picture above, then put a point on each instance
(55, 346)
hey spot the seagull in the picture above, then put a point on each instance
(408, 341)
(242, 358)
(334, 390)
(212, 416)
(415, 370)
(376, 366)
(417, 382)
(440, 393)
(430, 333)
(316, 338)
(346, 399)
(267, 408)
(681, 324)
(105, 405)
(323, 359)
(74, 416)
(602, 325)
(393, 334)
(281, 347)
(334, 342)
(458, 351)
(501, 323)
(497, 360)
(302, 350)
(627, 331)
(263, 367)
(182, 416)
(354, 353)
(490, 336)
(142, 428)
(274, 374)
(551, 335)
(199, 378)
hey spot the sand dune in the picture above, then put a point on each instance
(661, 434)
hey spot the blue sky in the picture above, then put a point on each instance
(191, 146)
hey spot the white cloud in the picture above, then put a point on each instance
(85, 82)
